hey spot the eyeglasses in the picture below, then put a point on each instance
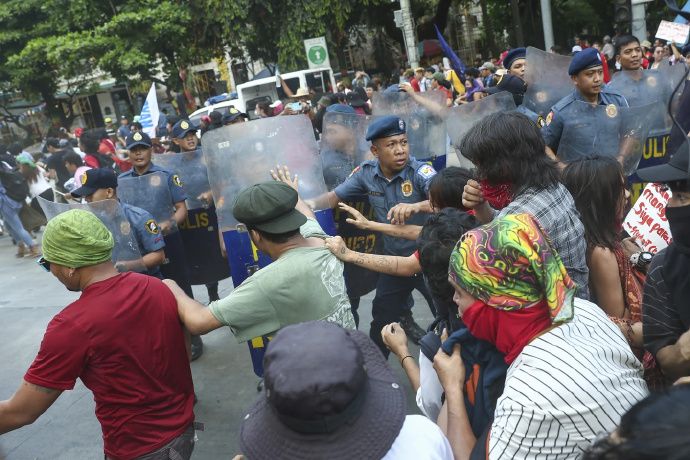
(43, 263)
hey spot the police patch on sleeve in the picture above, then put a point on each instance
(426, 171)
(354, 171)
(152, 227)
(176, 180)
(549, 117)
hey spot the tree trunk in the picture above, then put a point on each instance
(488, 28)
(517, 25)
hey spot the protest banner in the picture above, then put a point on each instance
(646, 222)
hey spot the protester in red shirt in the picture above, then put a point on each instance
(409, 77)
(122, 338)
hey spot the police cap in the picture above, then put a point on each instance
(94, 179)
(340, 108)
(138, 138)
(269, 207)
(387, 126)
(583, 60)
(513, 55)
(232, 115)
(183, 127)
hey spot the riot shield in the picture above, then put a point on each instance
(547, 80)
(605, 130)
(426, 127)
(241, 155)
(462, 118)
(343, 148)
(126, 253)
(191, 168)
(650, 87)
(150, 192)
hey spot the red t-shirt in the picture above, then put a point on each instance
(415, 84)
(124, 340)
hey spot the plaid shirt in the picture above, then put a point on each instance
(554, 209)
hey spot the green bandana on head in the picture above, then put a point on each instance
(77, 238)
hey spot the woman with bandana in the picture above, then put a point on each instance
(572, 374)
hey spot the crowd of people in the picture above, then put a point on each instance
(556, 334)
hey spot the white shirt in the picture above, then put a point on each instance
(41, 184)
(420, 439)
(566, 387)
(430, 390)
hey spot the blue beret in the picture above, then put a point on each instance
(385, 127)
(182, 127)
(340, 108)
(589, 57)
(513, 55)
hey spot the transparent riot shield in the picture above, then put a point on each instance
(191, 168)
(462, 118)
(126, 253)
(605, 130)
(241, 155)
(547, 80)
(343, 148)
(425, 118)
(650, 86)
(152, 193)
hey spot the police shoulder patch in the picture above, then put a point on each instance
(358, 168)
(549, 117)
(176, 180)
(540, 121)
(152, 227)
(426, 171)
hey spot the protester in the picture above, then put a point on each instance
(409, 77)
(13, 191)
(487, 74)
(305, 281)
(101, 184)
(55, 163)
(515, 159)
(38, 185)
(123, 130)
(608, 49)
(564, 354)
(597, 185)
(439, 83)
(144, 400)
(336, 398)
(666, 325)
(628, 52)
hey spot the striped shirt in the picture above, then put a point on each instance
(567, 386)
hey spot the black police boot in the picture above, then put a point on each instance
(411, 328)
(197, 347)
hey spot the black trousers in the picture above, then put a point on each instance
(175, 266)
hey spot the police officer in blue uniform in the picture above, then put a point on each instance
(140, 153)
(396, 185)
(515, 62)
(586, 72)
(101, 184)
(517, 87)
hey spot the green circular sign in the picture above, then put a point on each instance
(317, 54)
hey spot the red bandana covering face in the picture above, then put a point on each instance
(509, 331)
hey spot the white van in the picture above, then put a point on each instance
(221, 107)
(251, 93)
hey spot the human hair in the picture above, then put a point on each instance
(136, 124)
(655, 428)
(436, 241)
(472, 72)
(89, 142)
(508, 147)
(73, 158)
(596, 184)
(445, 189)
(408, 73)
(29, 172)
(275, 238)
(623, 41)
(265, 107)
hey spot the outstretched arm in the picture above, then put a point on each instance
(27, 404)
(390, 265)
(195, 317)
(408, 232)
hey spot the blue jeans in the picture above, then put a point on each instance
(15, 227)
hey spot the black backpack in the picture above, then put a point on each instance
(15, 185)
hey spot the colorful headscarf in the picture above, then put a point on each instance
(77, 238)
(510, 264)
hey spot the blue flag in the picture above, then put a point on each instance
(455, 62)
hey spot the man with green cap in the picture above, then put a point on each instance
(144, 401)
(305, 282)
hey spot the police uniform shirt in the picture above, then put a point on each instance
(174, 182)
(146, 231)
(337, 166)
(561, 119)
(411, 185)
(533, 116)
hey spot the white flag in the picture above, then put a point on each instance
(149, 113)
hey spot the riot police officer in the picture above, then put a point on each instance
(515, 62)
(586, 72)
(396, 185)
(101, 184)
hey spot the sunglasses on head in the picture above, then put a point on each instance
(43, 263)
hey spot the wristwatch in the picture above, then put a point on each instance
(641, 259)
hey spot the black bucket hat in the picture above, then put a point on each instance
(328, 394)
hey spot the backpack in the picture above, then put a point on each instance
(15, 185)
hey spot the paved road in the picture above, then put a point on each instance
(223, 377)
